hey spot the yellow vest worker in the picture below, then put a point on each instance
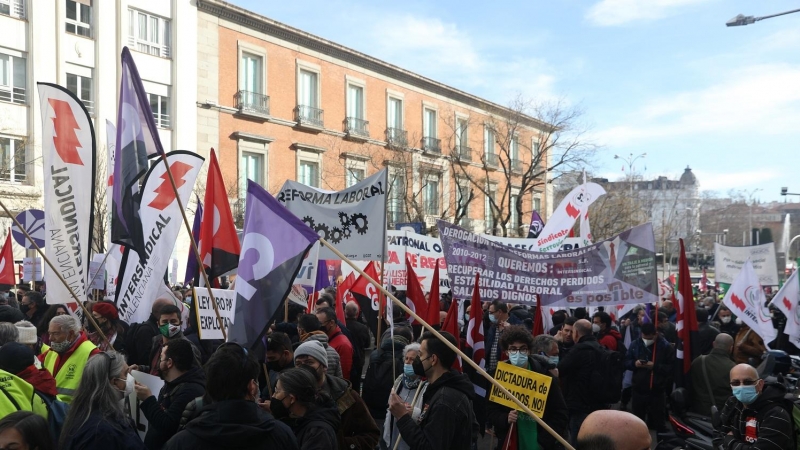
(17, 394)
(69, 351)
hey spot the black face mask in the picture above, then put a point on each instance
(278, 409)
(274, 366)
(419, 368)
(24, 308)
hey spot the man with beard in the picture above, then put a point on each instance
(280, 358)
(68, 354)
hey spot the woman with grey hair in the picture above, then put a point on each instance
(8, 333)
(96, 418)
(411, 388)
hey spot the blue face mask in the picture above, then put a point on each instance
(553, 360)
(408, 369)
(745, 394)
(492, 318)
(518, 359)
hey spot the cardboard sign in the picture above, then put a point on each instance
(155, 384)
(207, 318)
(32, 269)
(530, 388)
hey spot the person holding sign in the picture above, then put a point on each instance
(517, 342)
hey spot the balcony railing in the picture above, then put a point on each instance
(308, 115)
(13, 95)
(516, 165)
(397, 137)
(356, 127)
(491, 160)
(431, 144)
(251, 102)
(463, 153)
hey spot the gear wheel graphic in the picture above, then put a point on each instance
(323, 231)
(361, 227)
(308, 220)
(344, 219)
(336, 235)
(346, 233)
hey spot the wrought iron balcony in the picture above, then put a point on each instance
(252, 102)
(308, 115)
(491, 160)
(431, 144)
(356, 127)
(516, 165)
(463, 153)
(397, 137)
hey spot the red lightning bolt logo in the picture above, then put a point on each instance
(164, 192)
(737, 302)
(573, 211)
(65, 139)
(787, 304)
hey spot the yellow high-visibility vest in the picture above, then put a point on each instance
(68, 378)
(17, 394)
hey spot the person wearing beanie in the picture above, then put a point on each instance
(358, 430)
(309, 329)
(107, 318)
(28, 336)
(18, 359)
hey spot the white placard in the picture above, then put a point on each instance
(155, 384)
(207, 318)
(31, 269)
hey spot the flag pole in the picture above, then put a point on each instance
(416, 395)
(201, 268)
(464, 357)
(58, 274)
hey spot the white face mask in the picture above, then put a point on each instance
(595, 328)
(648, 342)
(129, 382)
(726, 319)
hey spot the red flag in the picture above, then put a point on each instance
(415, 298)
(686, 318)
(7, 263)
(450, 325)
(475, 327)
(433, 303)
(366, 296)
(538, 324)
(341, 290)
(219, 244)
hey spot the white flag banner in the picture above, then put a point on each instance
(307, 276)
(353, 220)
(161, 222)
(68, 160)
(787, 300)
(728, 261)
(746, 299)
(563, 219)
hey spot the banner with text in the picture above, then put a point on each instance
(529, 387)
(207, 318)
(620, 270)
(728, 262)
(353, 220)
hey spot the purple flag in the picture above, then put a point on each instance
(537, 224)
(137, 140)
(322, 276)
(274, 243)
(191, 263)
(648, 314)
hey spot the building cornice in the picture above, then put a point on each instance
(249, 19)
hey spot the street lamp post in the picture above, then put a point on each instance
(629, 161)
(741, 19)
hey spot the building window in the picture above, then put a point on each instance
(251, 166)
(395, 113)
(149, 34)
(536, 151)
(356, 125)
(431, 195)
(514, 214)
(160, 106)
(13, 8)
(513, 155)
(309, 173)
(308, 98)
(488, 141)
(13, 163)
(430, 141)
(251, 73)
(82, 88)
(12, 79)
(397, 194)
(487, 207)
(79, 17)
(354, 176)
(537, 204)
(462, 139)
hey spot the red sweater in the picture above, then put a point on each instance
(63, 358)
(344, 348)
(40, 379)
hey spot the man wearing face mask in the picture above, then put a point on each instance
(169, 329)
(651, 359)
(601, 327)
(755, 416)
(499, 318)
(68, 354)
(183, 382)
(280, 358)
(357, 430)
(524, 351)
(727, 324)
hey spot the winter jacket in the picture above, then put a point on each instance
(747, 344)
(41, 380)
(446, 422)
(360, 333)
(524, 316)
(729, 328)
(705, 338)
(334, 366)
(670, 333)
(317, 429)
(357, 430)
(381, 373)
(233, 425)
(718, 367)
(412, 396)
(344, 348)
(555, 411)
(98, 433)
(164, 415)
(662, 368)
(608, 339)
(156, 344)
(575, 372)
(765, 424)
(142, 342)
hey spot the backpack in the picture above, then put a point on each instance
(56, 414)
(607, 375)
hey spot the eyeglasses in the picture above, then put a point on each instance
(514, 350)
(743, 382)
(234, 344)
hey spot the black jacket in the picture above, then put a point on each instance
(381, 374)
(143, 342)
(663, 365)
(317, 429)
(360, 334)
(768, 415)
(446, 422)
(575, 372)
(555, 411)
(705, 338)
(164, 415)
(97, 433)
(233, 424)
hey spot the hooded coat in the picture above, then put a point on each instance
(233, 425)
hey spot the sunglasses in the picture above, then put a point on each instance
(743, 382)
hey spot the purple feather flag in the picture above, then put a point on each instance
(537, 225)
(191, 262)
(322, 276)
